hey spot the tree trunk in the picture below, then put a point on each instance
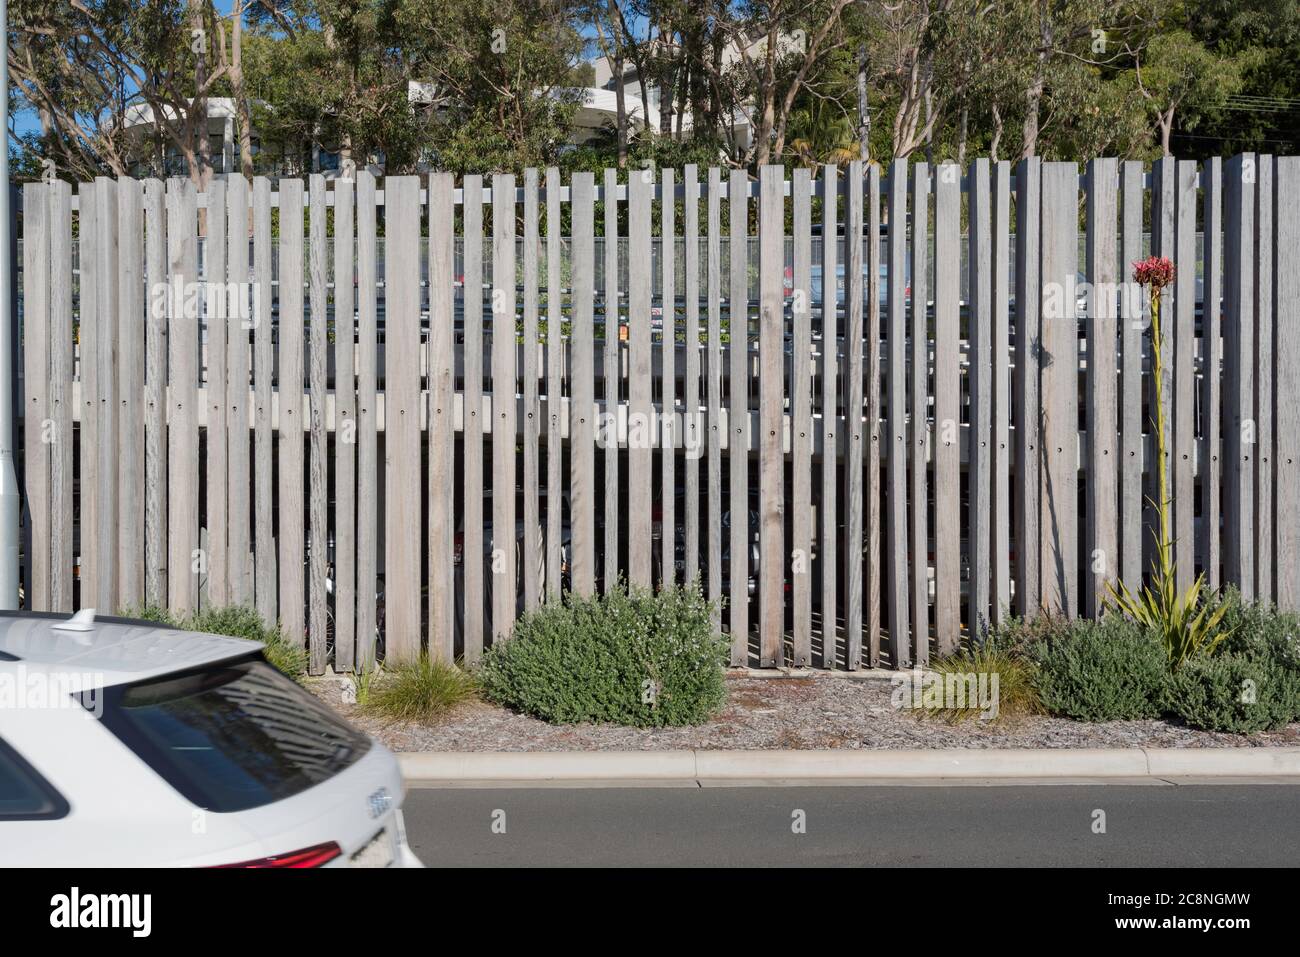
(667, 91)
(684, 90)
(620, 108)
(963, 127)
(1034, 94)
(715, 91)
(242, 104)
(201, 167)
(767, 96)
(1166, 130)
(996, 141)
(864, 110)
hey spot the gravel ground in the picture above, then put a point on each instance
(789, 712)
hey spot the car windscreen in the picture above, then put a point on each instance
(232, 736)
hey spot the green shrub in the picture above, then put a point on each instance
(1016, 692)
(1260, 632)
(627, 658)
(150, 613)
(235, 621)
(420, 691)
(1234, 692)
(1106, 670)
(1020, 636)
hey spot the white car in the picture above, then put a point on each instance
(123, 743)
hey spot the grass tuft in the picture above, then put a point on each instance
(421, 691)
(1016, 692)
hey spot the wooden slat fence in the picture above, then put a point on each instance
(873, 412)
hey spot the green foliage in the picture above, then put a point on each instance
(1020, 636)
(1252, 682)
(1235, 692)
(1188, 624)
(236, 621)
(1016, 692)
(1243, 677)
(1258, 631)
(420, 691)
(1107, 670)
(631, 658)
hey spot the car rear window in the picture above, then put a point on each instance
(24, 794)
(232, 736)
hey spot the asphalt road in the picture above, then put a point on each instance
(1149, 826)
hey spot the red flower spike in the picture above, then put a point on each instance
(1154, 271)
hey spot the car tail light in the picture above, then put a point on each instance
(458, 546)
(313, 856)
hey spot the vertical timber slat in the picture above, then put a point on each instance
(1210, 465)
(1286, 184)
(1264, 383)
(504, 548)
(1102, 548)
(609, 433)
(829, 511)
(919, 430)
(853, 478)
(240, 318)
(801, 426)
(265, 575)
(692, 424)
(1060, 387)
(1238, 377)
(367, 426)
(947, 408)
(713, 292)
(1132, 386)
(318, 475)
(216, 311)
(668, 377)
(979, 472)
(37, 435)
(1001, 519)
(442, 426)
(771, 396)
(872, 440)
(532, 554)
(132, 305)
(290, 537)
(216, 517)
(182, 391)
(345, 430)
(61, 411)
(402, 474)
(896, 433)
(640, 434)
(554, 378)
(582, 394)
(1183, 447)
(738, 412)
(106, 451)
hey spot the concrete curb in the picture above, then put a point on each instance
(703, 768)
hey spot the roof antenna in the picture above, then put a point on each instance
(83, 620)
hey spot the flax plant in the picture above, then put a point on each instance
(1187, 625)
